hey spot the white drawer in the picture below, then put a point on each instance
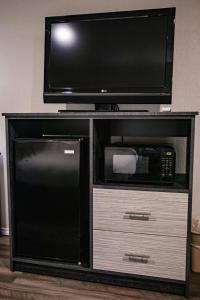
(157, 256)
(140, 211)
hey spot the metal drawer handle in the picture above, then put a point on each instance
(139, 258)
(137, 215)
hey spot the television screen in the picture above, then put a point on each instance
(113, 57)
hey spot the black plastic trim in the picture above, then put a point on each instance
(142, 282)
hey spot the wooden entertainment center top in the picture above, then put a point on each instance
(103, 114)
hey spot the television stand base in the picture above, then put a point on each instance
(98, 107)
(106, 107)
(86, 111)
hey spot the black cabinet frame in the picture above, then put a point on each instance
(99, 127)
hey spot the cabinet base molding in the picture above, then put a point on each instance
(140, 282)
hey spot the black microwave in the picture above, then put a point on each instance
(143, 164)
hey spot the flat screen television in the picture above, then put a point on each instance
(117, 57)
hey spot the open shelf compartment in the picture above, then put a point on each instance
(175, 132)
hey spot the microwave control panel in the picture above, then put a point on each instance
(167, 164)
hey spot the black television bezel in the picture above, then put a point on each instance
(154, 96)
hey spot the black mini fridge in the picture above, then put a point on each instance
(51, 200)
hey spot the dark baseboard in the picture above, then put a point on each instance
(140, 282)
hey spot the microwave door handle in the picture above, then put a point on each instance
(143, 216)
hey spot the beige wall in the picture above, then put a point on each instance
(22, 52)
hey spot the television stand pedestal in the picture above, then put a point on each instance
(98, 108)
(103, 108)
(106, 107)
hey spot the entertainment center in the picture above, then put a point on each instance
(104, 196)
(139, 234)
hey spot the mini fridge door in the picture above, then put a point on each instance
(48, 200)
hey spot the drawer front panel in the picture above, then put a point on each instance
(157, 256)
(140, 211)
